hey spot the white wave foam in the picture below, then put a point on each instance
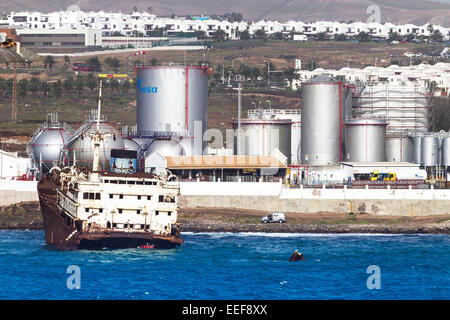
(291, 235)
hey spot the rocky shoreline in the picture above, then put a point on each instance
(27, 215)
(21, 216)
(192, 226)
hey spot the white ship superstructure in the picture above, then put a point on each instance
(121, 203)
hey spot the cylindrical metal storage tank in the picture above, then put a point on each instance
(172, 99)
(446, 151)
(296, 138)
(430, 150)
(261, 136)
(80, 149)
(323, 136)
(417, 147)
(365, 140)
(296, 125)
(399, 148)
(440, 135)
(47, 143)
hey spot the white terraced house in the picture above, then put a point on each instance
(143, 22)
(422, 75)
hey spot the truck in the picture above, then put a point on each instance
(274, 217)
(6, 42)
(378, 176)
(400, 174)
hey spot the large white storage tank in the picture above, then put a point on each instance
(430, 150)
(262, 136)
(48, 141)
(365, 140)
(323, 115)
(416, 139)
(172, 99)
(296, 125)
(446, 151)
(399, 148)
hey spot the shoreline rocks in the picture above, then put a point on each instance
(194, 226)
(27, 216)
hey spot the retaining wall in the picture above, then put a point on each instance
(12, 191)
(273, 197)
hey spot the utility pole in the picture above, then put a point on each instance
(223, 74)
(239, 111)
(14, 94)
(239, 89)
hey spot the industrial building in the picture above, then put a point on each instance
(219, 168)
(64, 38)
(12, 166)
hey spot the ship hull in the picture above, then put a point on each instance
(63, 236)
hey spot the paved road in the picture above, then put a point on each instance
(96, 53)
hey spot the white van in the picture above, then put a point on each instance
(274, 217)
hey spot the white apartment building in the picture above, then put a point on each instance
(422, 74)
(126, 24)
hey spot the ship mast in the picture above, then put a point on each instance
(97, 137)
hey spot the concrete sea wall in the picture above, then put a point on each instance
(274, 197)
(12, 191)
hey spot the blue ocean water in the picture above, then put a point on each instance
(232, 266)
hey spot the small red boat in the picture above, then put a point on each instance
(147, 246)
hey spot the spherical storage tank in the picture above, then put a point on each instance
(399, 148)
(323, 114)
(172, 98)
(130, 144)
(365, 140)
(166, 148)
(260, 137)
(430, 150)
(48, 141)
(80, 149)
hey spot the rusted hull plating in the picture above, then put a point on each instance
(63, 236)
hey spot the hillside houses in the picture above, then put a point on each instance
(436, 76)
(115, 23)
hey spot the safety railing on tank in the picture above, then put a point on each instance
(169, 135)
